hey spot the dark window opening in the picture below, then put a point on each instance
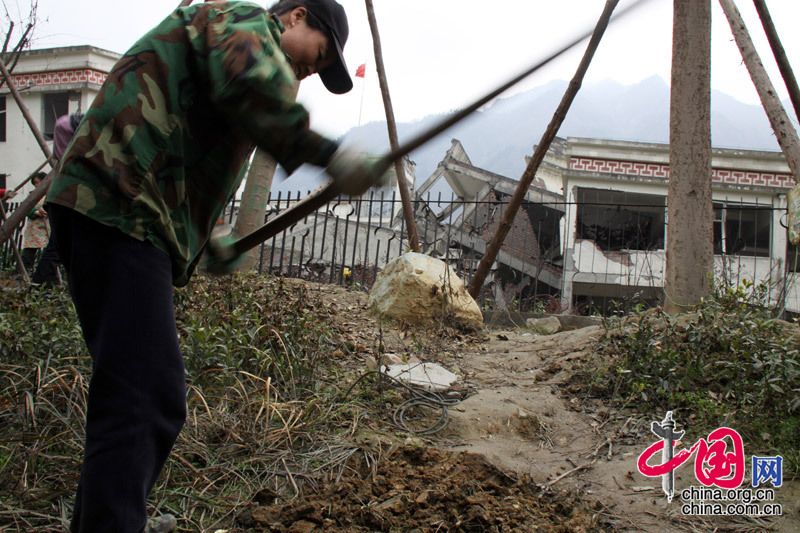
(3, 184)
(2, 119)
(55, 105)
(617, 220)
(608, 300)
(742, 230)
(792, 256)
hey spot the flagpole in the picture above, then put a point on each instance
(363, 91)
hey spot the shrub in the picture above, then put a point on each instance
(727, 363)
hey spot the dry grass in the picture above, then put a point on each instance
(267, 417)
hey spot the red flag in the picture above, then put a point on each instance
(361, 71)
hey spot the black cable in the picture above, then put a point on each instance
(418, 398)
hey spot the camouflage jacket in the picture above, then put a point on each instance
(159, 153)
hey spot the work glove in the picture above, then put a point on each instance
(221, 257)
(354, 172)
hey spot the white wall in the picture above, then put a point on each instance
(21, 154)
(585, 262)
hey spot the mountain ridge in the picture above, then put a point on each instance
(497, 140)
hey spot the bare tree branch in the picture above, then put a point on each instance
(12, 58)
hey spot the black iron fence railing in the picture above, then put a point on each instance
(585, 256)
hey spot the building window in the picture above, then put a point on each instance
(617, 220)
(792, 256)
(2, 119)
(55, 105)
(742, 229)
(3, 184)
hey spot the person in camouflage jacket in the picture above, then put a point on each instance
(150, 168)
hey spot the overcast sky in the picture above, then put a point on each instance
(442, 54)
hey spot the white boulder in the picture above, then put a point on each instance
(419, 289)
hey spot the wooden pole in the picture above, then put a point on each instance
(16, 218)
(541, 150)
(18, 215)
(17, 257)
(781, 125)
(690, 238)
(405, 193)
(26, 113)
(780, 55)
(30, 176)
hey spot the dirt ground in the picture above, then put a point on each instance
(425, 489)
(526, 420)
(523, 453)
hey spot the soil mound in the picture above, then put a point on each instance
(425, 489)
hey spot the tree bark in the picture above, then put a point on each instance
(405, 193)
(253, 206)
(780, 55)
(541, 150)
(690, 241)
(17, 257)
(255, 196)
(781, 125)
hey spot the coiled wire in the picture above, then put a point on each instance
(419, 398)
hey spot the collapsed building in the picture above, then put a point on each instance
(590, 234)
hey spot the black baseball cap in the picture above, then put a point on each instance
(331, 14)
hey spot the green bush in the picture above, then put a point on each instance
(242, 322)
(36, 324)
(255, 324)
(727, 363)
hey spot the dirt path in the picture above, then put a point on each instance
(523, 419)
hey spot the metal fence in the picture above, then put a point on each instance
(7, 260)
(588, 256)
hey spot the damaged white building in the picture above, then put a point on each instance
(594, 226)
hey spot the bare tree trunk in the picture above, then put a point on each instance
(541, 150)
(254, 202)
(405, 193)
(780, 55)
(781, 125)
(254, 198)
(690, 241)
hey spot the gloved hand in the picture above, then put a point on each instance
(354, 172)
(221, 255)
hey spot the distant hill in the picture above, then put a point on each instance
(499, 136)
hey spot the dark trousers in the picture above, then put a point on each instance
(29, 258)
(122, 290)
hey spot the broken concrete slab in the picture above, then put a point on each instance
(429, 376)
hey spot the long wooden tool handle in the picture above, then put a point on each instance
(326, 193)
(317, 199)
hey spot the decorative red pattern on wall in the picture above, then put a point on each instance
(659, 170)
(59, 77)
